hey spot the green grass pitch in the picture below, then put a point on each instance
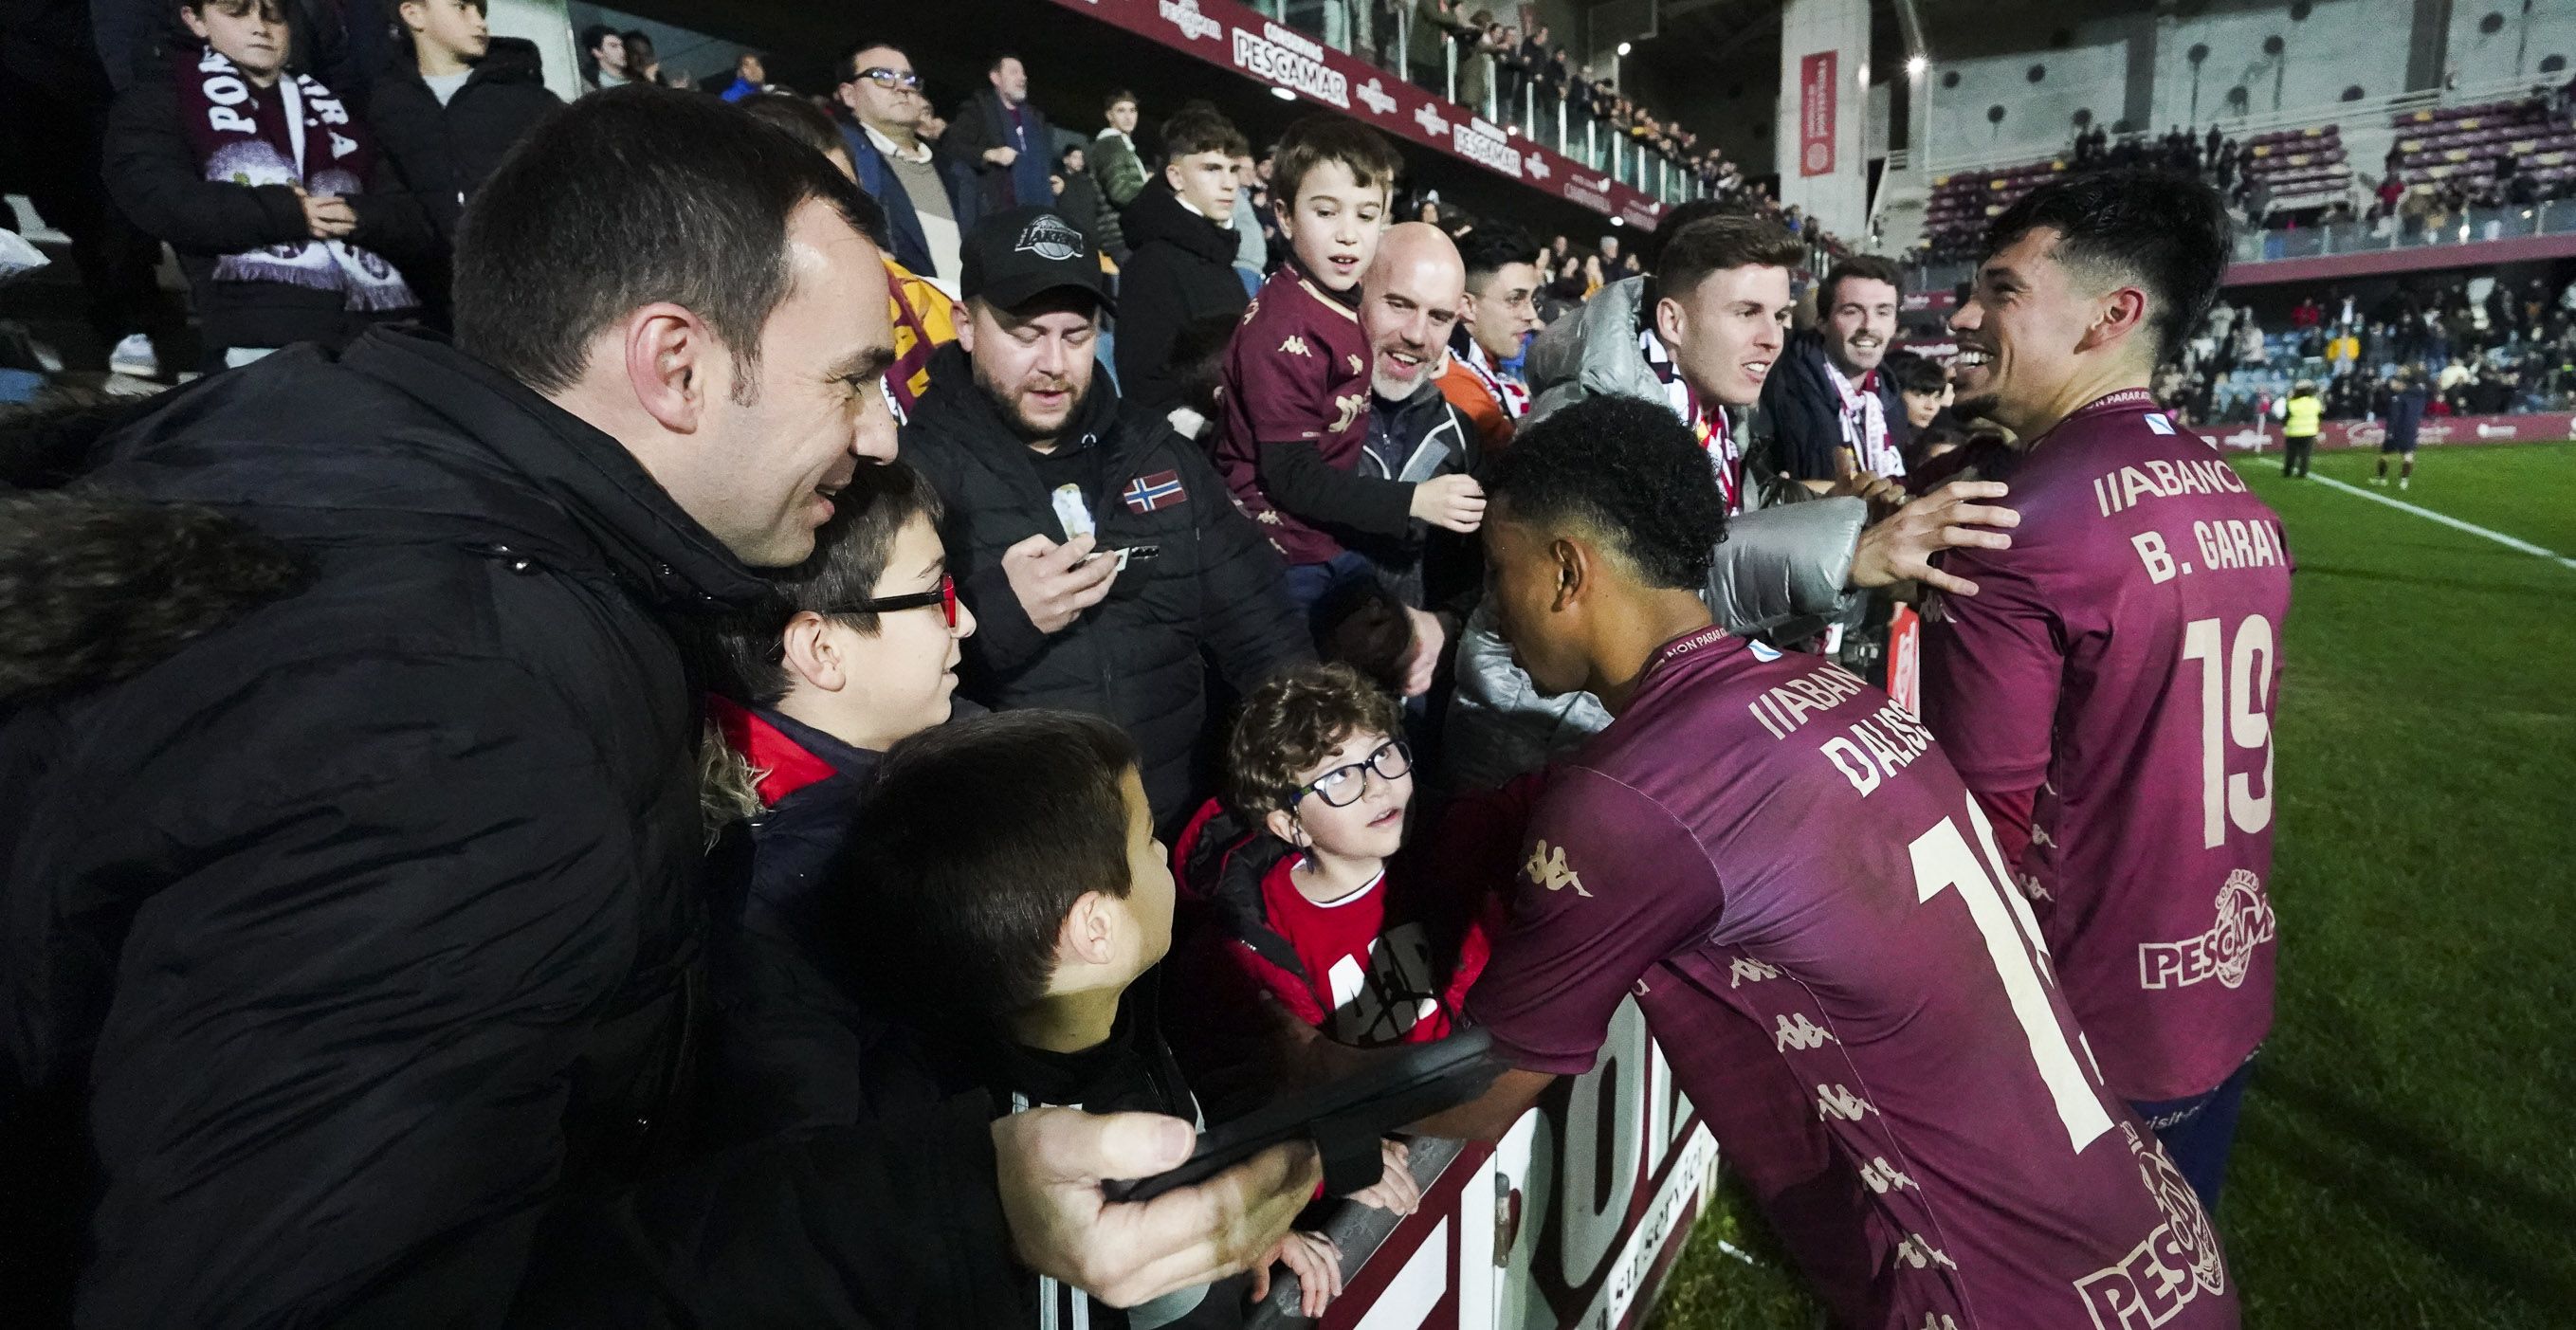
(2408, 1152)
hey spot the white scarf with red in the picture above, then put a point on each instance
(1511, 393)
(1865, 424)
(294, 133)
(1716, 433)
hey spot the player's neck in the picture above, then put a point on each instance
(1324, 877)
(2085, 387)
(1067, 1022)
(1630, 640)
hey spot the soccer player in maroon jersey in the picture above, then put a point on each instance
(1779, 862)
(2109, 693)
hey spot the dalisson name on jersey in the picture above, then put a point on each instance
(1867, 751)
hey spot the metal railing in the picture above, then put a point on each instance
(2473, 227)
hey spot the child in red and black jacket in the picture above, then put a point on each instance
(1317, 907)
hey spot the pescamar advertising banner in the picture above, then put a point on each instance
(2436, 431)
(1236, 37)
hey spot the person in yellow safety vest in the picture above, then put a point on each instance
(2299, 413)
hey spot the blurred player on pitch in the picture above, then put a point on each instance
(2109, 693)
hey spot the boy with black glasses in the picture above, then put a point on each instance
(1315, 908)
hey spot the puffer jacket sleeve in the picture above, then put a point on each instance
(154, 176)
(333, 1085)
(1252, 628)
(1784, 563)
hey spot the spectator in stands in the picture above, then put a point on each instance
(603, 54)
(1318, 907)
(1004, 136)
(446, 118)
(1119, 169)
(929, 199)
(1830, 412)
(1416, 442)
(643, 63)
(924, 318)
(1020, 949)
(1296, 379)
(1077, 196)
(1483, 375)
(1181, 271)
(1434, 26)
(1094, 545)
(487, 805)
(854, 650)
(750, 78)
(277, 229)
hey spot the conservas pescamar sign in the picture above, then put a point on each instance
(1291, 60)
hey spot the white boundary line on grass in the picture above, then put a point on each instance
(2454, 523)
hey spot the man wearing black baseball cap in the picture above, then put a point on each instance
(1097, 547)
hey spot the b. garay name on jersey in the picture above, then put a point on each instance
(2223, 546)
(1868, 751)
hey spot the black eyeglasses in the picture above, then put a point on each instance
(944, 596)
(1342, 786)
(891, 78)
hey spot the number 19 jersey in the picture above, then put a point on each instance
(1780, 863)
(2123, 660)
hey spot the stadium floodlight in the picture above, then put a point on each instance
(1283, 94)
(1916, 64)
(1623, 48)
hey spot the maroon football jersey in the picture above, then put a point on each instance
(1296, 369)
(2123, 659)
(1764, 845)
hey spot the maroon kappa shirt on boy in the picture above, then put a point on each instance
(2123, 661)
(1297, 369)
(1765, 844)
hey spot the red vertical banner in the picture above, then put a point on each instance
(1816, 91)
(1905, 659)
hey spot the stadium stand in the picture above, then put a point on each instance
(2468, 142)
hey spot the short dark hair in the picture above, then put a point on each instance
(850, 552)
(974, 843)
(1715, 244)
(1117, 95)
(1195, 129)
(1857, 267)
(994, 66)
(1650, 246)
(2168, 234)
(1316, 139)
(1492, 245)
(1920, 375)
(626, 197)
(1630, 473)
(849, 64)
(795, 117)
(1290, 722)
(594, 34)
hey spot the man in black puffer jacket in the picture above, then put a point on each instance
(352, 944)
(1181, 271)
(1015, 421)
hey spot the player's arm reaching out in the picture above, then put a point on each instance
(1992, 668)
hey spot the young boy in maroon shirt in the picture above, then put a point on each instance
(1781, 866)
(2109, 693)
(1294, 391)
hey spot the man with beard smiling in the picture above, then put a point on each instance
(1829, 411)
(1097, 548)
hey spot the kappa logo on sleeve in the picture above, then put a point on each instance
(1547, 868)
(1294, 346)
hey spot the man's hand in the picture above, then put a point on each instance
(1002, 156)
(1053, 583)
(327, 216)
(1395, 1191)
(1884, 495)
(1453, 501)
(1421, 662)
(1901, 548)
(1050, 1162)
(1316, 1260)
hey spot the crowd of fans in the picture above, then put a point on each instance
(2477, 344)
(612, 762)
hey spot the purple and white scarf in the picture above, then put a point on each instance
(295, 133)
